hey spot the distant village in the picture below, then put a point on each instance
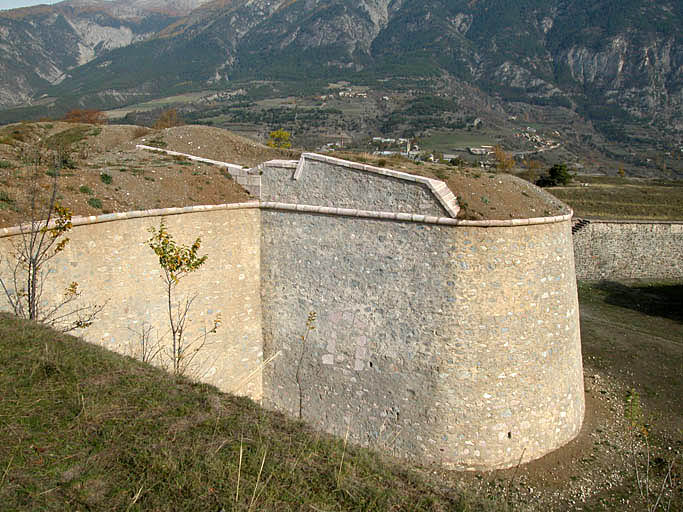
(409, 148)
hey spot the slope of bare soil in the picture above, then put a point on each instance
(103, 171)
(106, 173)
(481, 194)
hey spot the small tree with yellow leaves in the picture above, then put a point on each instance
(176, 262)
(280, 139)
(504, 161)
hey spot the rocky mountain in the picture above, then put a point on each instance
(39, 45)
(606, 59)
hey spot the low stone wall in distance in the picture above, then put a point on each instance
(628, 250)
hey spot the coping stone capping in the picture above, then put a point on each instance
(289, 164)
(410, 217)
(303, 208)
(627, 221)
(136, 214)
(299, 168)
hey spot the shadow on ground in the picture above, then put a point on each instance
(663, 300)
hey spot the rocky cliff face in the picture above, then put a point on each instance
(39, 45)
(643, 78)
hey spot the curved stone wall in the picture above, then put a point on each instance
(109, 257)
(439, 339)
(458, 345)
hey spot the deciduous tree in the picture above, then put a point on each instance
(42, 237)
(178, 261)
(280, 139)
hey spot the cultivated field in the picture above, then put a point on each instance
(603, 197)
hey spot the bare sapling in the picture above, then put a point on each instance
(42, 237)
(654, 494)
(177, 262)
(298, 376)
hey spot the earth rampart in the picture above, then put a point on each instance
(439, 339)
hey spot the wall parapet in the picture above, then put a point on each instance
(136, 214)
(437, 187)
(410, 217)
(628, 249)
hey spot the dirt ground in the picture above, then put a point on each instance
(105, 173)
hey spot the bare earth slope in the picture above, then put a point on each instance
(104, 172)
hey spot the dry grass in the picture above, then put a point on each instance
(84, 429)
(623, 198)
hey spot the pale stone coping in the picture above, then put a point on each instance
(410, 217)
(159, 212)
(327, 210)
(192, 157)
(287, 164)
(437, 187)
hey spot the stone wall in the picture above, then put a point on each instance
(112, 263)
(326, 181)
(457, 345)
(629, 249)
(439, 339)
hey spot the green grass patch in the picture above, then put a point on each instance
(95, 203)
(4, 164)
(86, 429)
(6, 201)
(84, 189)
(106, 178)
(157, 143)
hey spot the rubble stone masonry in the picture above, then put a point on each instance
(629, 249)
(436, 339)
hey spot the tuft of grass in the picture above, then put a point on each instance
(86, 429)
(106, 178)
(67, 138)
(95, 203)
(6, 201)
(157, 143)
(4, 164)
(84, 189)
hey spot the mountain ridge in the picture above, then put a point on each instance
(608, 60)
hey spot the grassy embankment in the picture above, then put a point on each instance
(85, 429)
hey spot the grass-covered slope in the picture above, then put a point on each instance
(85, 429)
